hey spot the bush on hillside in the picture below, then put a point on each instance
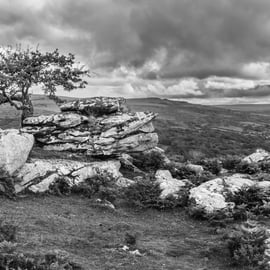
(149, 162)
(212, 165)
(265, 166)
(179, 171)
(247, 168)
(247, 245)
(252, 200)
(146, 194)
(101, 186)
(230, 162)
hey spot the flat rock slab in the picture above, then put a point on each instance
(96, 106)
(38, 174)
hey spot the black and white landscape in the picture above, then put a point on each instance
(134, 134)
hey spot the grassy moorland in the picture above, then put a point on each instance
(190, 131)
(171, 240)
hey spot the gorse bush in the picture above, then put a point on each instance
(102, 186)
(252, 200)
(231, 162)
(179, 171)
(247, 168)
(196, 180)
(247, 245)
(212, 165)
(149, 162)
(146, 194)
(20, 261)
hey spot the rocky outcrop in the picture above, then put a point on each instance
(169, 186)
(15, 147)
(98, 126)
(259, 155)
(38, 174)
(96, 106)
(211, 196)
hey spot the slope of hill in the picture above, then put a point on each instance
(94, 236)
(253, 108)
(193, 131)
(187, 131)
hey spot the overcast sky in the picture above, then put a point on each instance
(140, 48)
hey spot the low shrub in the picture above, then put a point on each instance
(149, 162)
(8, 232)
(179, 171)
(231, 162)
(19, 261)
(265, 166)
(212, 165)
(247, 168)
(146, 194)
(101, 186)
(205, 176)
(252, 200)
(247, 245)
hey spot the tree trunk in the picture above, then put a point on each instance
(28, 109)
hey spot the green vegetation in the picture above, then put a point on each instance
(192, 132)
(146, 194)
(247, 245)
(21, 69)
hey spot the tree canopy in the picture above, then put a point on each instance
(20, 69)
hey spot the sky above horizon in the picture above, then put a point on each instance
(203, 51)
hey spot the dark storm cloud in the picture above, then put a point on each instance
(200, 37)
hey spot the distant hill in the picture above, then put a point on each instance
(255, 108)
(192, 130)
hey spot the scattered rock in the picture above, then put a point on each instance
(170, 186)
(259, 155)
(197, 169)
(37, 175)
(15, 147)
(211, 196)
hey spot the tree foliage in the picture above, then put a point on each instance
(20, 69)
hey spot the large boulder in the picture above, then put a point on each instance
(15, 147)
(259, 155)
(170, 186)
(211, 196)
(38, 174)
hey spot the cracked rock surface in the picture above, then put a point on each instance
(97, 126)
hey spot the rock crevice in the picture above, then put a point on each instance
(97, 126)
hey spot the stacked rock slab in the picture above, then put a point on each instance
(98, 126)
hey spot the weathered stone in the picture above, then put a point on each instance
(61, 120)
(37, 175)
(197, 169)
(109, 146)
(258, 156)
(107, 135)
(211, 196)
(15, 147)
(124, 182)
(170, 186)
(96, 106)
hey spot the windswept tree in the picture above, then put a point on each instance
(21, 69)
